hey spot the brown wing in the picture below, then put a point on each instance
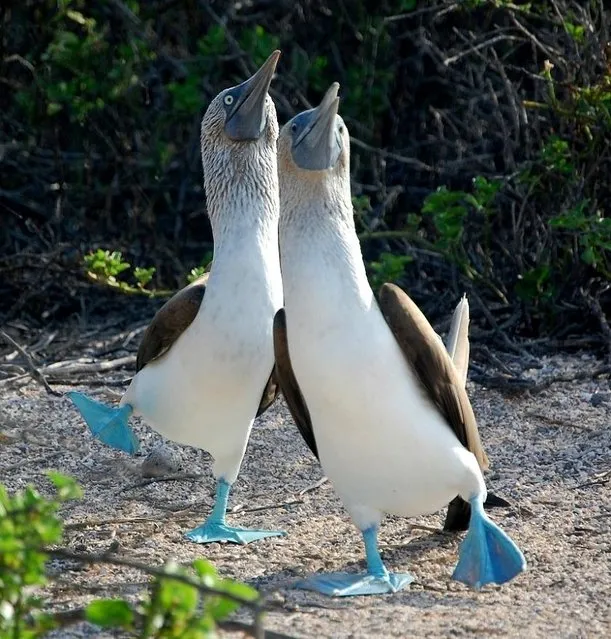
(430, 361)
(170, 321)
(288, 382)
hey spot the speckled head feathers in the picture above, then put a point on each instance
(238, 136)
(242, 111)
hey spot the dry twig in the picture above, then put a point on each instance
(34, 371)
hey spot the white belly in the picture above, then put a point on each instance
(205, 391)
(382, 444)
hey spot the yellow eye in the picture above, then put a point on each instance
(228, 100)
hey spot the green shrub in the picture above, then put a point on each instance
(481, 133)
(183, 602)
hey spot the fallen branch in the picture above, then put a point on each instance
(557, 422)
(256, 605)
(522, 385)
(599, 479)
(69, 367)
(34, 371)
(321, 482)
(78, 615)
(597, 310)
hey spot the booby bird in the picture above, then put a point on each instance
(371, 386)
(205, 362)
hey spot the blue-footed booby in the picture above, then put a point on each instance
(204, 368)
(370, 384)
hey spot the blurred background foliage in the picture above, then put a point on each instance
(480, 156)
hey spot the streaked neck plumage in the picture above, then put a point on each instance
(241, 183)
(318, 238)
(242, 198)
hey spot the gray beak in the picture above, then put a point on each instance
(247, 118)
(317, 148)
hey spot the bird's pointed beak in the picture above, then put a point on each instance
(247, 119)
(317, 148)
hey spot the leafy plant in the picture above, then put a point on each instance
(592, 232)
(104, 266)
(198, 271)
(388, 268)
(186, 94)
(182, 603)
(83, 71)
(535, 284)
(28, 523)
(258, 43)
(449, 210)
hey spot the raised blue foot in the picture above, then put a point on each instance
(215, 528)
(487, 554)
(107, 424)
(344, 584)
(376, 581)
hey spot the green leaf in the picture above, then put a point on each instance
(176, 595)
(53, 108)
(186, 94)
(144, 275)
(67, 487)
(590, 256)
(204, 568)
(110, 613)
(576, 31)
(214, 43)
(220, 607)
(238, 589)
(534, 283)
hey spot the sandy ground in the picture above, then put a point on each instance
(550, 455)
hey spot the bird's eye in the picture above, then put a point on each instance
(228, 100)
(341, 129)
(293, 127)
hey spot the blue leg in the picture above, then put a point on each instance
(487, 555)
(107, 424)
(215, 528)
(376, 581)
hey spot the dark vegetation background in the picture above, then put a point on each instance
(480, 158)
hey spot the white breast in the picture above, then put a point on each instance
(381, 442)
(206, 390)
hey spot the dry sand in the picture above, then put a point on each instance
(549, 455)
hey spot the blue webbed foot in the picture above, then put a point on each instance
(215, 528)
(376, 581)
(487, 554)
(106, 423)
(210, 531)
(343, 584)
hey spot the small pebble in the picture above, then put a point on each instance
(162, 460)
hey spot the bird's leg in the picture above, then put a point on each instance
(376, 581)
(217, 516)
(215, 528)
(375, 565)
